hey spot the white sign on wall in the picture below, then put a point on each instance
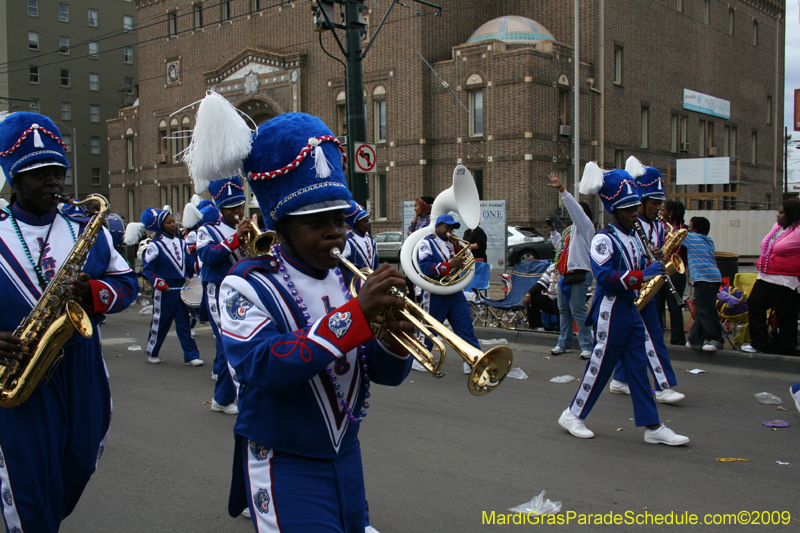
(703, 171)
(704, 103)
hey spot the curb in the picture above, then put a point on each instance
(731, 358)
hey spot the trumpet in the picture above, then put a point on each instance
(488, 369)
(262, 242)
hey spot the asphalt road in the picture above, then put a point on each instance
(436, 457)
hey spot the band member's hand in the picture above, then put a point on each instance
(374, 295)
(80, 289)
(655, 269)
(162, 285)
(456, 262)
(11, 347)
(554, 181)
(244, 230)
(659, 255)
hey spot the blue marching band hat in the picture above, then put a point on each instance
(29, 141)
(617, 189)
(227, 192)
(648, 179)
(354, 213)
(151, 220)
(293, 162)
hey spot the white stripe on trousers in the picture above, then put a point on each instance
(601, 337)
(10, 513)
(154, 323)
(259, 478)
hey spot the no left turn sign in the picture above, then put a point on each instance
(366, 159)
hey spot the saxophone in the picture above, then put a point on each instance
(672, 263)
(55, 318)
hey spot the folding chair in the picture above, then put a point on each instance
(732, 310)
(479, 289)
(509, 312)
(743, 281)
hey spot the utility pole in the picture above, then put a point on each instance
(354, 30)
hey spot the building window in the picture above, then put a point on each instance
(66, 111)
(477, 175)
(644, 125)
(173, 137)
(127, 54)
(128, 83)
(679, 6)
(129, 149)
(93, 18)
(63, 12)
(187, 194)
(172, 22)
(127, 23)
(755, 33)
(380, 120)
(94, 113)
(769, 110)
(732, 151)
(63, 45)
(731, 20)
(95, 145)
(33, 8)
(35, 106)
(476, 112)
(618, 65)
(563, 107)
(754, 149)
(707, 11)
(163, 191)
(225, 5)
(186, 133)
(341, 113)
(163, 135)
(67, 139)
(94, 82)
(131, 205)
(96, 177)
(198, 16)
(678, 128)
(33, 40)
(33, 75)
(380, 196)
(94, 50)
(64, 77)
(619, 159)
(726, 135)
(68, 176)
(255, 4)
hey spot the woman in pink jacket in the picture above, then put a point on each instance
(778, 285)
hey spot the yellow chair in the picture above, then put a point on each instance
(736, 327)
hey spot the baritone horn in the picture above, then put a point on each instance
(488, 369)
(463, 198)
(262, 241)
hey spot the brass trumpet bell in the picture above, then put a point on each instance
(263, 241)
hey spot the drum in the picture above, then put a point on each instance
(192, 293)
(116, 226)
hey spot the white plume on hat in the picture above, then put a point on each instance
(634, 167)
(191, 215)
(592, 180)
(196, 199)
(220, 142)
(133, 232)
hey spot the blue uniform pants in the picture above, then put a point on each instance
(660, 365)
(168, 306)
(225, 389)
(455, 309)
(50, 445)
(619, 337)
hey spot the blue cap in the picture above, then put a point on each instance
(616, 187)
(449, 220)
(152, 219)
(295, 167)
(210, 214)
(29, 141)
(354, 213)
(227, 192)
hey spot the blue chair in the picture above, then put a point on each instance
(509, 312)
(480, 289)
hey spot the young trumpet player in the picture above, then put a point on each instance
(651, 188)
(620, 267)
(302, 347)
(361, 249)
(51, 444)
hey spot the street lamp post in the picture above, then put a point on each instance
(74, 133)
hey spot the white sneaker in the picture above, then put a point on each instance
(214, 376)
(153, 360)
(538, 329)
(619, 387)
(586, 354)
(749, 349)
(227, 409)
(194, 362)
(192, 332)
(669, 396)
(664, 435)
(467, 368)
(574, 425)
(416, 365)
(246, 513)
(709, 348)
(370, 529)
(693, 347)
(558, 350)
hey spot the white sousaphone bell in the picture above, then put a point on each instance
(462, 198)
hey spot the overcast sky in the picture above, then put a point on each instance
(792, 81)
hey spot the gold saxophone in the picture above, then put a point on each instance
(55, 318)
(672, 263)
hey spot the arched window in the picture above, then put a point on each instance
(163, 147)
(341, 113)
(129, 148)
(186, 132)
(173, 138)
(379, 109)
(475, 91)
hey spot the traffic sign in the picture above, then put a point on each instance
(366, 158)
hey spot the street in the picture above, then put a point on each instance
(436, 457)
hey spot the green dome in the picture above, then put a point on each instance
(512, 30)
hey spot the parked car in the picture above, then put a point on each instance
(389, 244)
(525, 243)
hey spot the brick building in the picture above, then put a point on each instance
(514, 75)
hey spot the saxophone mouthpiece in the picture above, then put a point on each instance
(63, 198)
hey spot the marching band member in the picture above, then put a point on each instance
(198, 214)
(302, 348)
(219, 247)
(167, 265)
(51, 444)
(361, 249)
(619, 265)
(437, 258)
(651, 188)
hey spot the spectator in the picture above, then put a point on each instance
(706, 331)
(477, 242)
(576, 273)
(777, 285)
(541, 299)
(422, 214)
(555, 235)
(672, 212)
